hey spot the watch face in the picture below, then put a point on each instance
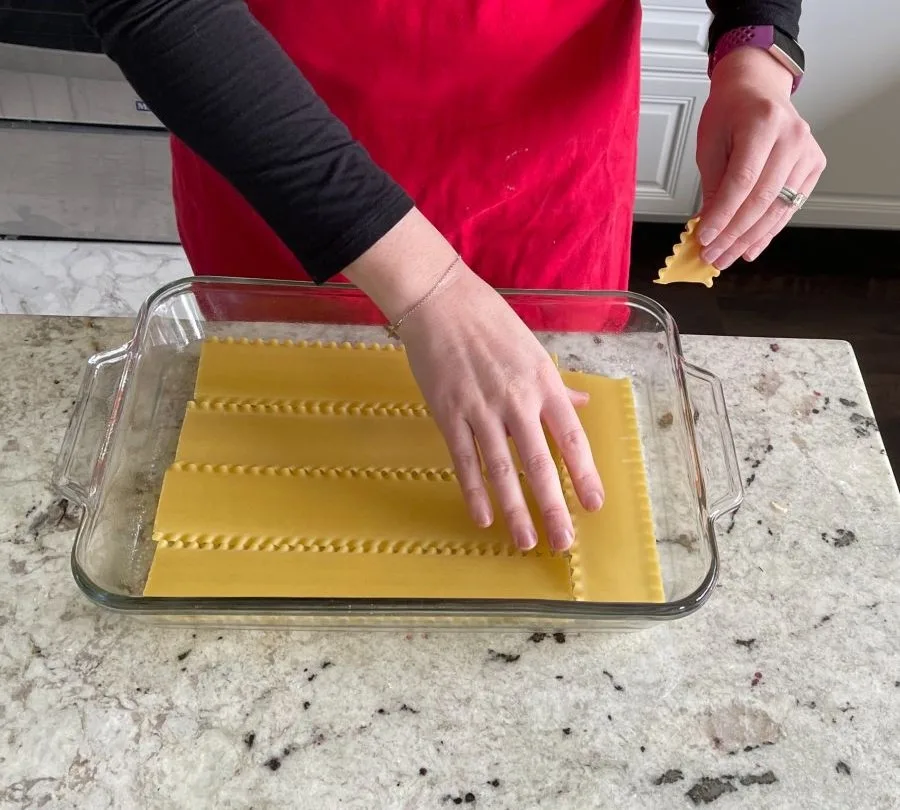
(791, 50)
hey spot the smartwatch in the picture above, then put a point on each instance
(782, 47)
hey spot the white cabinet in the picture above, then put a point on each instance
(674, 88)
(668, 182)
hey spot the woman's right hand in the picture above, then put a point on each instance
(484, 376)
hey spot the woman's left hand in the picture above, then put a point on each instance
(750, 144)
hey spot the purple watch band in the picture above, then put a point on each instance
(754, 36)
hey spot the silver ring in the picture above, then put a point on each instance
(793, 198)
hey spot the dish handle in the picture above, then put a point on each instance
(78, 456)
(718, 457)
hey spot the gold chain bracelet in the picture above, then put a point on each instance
(392, 328)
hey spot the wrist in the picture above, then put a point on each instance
(403, 266)
(753, 69)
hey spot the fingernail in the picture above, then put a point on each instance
(707, 235)
(751, 255)
(562, 540)
(593, 501)
(482, 517)
(527, 539)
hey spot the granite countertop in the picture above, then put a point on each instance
(782, 692)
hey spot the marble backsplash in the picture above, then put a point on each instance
(83, 278)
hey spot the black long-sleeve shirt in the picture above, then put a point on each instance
(221, 83)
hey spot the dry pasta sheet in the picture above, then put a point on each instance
(315, 470)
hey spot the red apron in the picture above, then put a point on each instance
(511, 123)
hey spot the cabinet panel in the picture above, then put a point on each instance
(668, 182)
(674, 36)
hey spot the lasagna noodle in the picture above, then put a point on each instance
(311, 470)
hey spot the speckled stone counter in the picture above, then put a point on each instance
(782, 692)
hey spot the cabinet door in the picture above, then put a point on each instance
(668, 182)
(674, 88)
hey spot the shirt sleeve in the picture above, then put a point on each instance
(222, 84)
(728, 14)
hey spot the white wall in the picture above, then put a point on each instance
(851, 97)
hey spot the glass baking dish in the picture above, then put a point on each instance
(124, 430)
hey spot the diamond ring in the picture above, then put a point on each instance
(792, 198)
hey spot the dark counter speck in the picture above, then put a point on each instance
(863, 425)
(469, 798)
(306, 705)
(410, 709)
(494, 782)
(824, 620)
(670, 776)
(666, 420)
(185, 654)
(57, 517)
(506, 658)
(567, 731)
(249, 739)
(708, 790)
(767, 778)
(326, 664)
(559, 638)
(842, 767)
(847, 403)
(423, 771)
(745, 642)
(273, 763)
(841, 538)
(617, 686)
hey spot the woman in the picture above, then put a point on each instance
(501, 131)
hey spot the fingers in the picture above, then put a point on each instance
(745, 212)
(778, 211)
(577, 398)
(543, 478)
(539, 466)
(570, 438)
(504, 477)
(466, 462)
(734, 239)
(745, 166)
(712, 160)
(763, 236)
